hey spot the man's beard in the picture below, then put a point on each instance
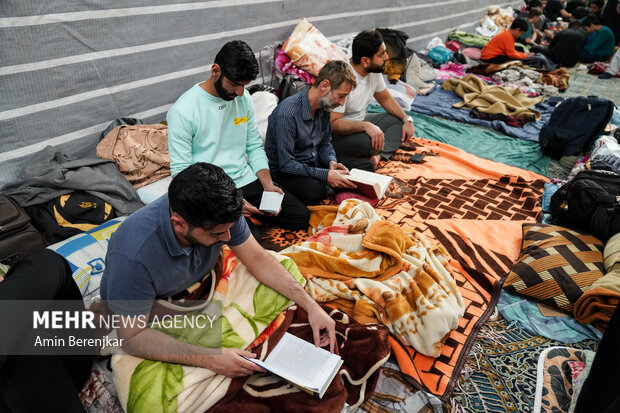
(194, 242)
(373, 68)
(327, 104)
(223, 93)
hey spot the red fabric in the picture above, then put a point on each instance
(503, 44)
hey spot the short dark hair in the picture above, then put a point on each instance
(365, 44)
(204, 196)
(534, 11)
(237, 61)
(337, 72)
(599, 3)
(520, 24)
(534, 3)
(590, 20)
(574, 24)
(580, 12)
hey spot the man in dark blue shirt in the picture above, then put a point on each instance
(298, 142)
(167, 246)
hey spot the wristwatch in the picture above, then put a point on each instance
(407, 119)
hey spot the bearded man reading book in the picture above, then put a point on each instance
(298, 142)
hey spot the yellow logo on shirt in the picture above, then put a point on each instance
(241, 120)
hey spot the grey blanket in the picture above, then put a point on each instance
(52, 173)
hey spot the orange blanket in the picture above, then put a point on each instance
(474, 209)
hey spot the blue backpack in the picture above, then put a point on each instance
(440, 55)
(574, 125)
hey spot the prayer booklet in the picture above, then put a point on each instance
(299, 362)
(271, 202)
(369, 184)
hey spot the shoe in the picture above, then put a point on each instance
(605, 75)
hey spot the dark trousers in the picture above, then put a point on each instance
(40, 383)
(354, 150)
(588, 57)
(498, 60)
(601, 390)
(308, 190)
(293, 216)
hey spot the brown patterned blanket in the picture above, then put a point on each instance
(474, 209)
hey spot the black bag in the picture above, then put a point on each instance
(69, 215)
(589, 202)
(574, 125)
(290, 85)
(18, 237)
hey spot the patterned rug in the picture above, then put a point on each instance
(500, 375)
(583, 84)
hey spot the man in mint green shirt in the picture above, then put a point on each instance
(600, 42)
(214, 122)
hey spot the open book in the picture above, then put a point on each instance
(369, 184)
(301, 363)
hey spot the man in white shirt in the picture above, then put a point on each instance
(361, 140)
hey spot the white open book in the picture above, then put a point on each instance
(308, 367)
(370, 184)
(271, 202)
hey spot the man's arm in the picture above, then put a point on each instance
(135, 297)
(154, 345)
(270, 272)
(393, 108)
(179, 141)
(342, 126)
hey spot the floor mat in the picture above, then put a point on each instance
(583, 84)
(501, 373)
(480, 141)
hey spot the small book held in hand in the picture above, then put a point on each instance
(271, 202)
(369, 184)
(299, 362)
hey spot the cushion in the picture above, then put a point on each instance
(556, 265)
(86, 252)
(154, 190)
(611, 254)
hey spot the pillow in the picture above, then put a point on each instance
(86, 252)
(149, 193)
(556, 265)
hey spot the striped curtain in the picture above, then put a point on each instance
(69, 68)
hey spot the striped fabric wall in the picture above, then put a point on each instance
(69, 68)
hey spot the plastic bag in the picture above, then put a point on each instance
(435, 41)
(487, 28)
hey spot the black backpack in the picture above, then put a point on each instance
(589, 202)
(69, 215)
(574, 125)
(18, 237)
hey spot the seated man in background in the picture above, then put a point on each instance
(214, 122)
(169, 245)
(613, 68)
(596, 8)
(600, 42)
(361, 140)
(501, 48)
(298, 143)
(565, 48)
(530, 36)
(554, 9)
